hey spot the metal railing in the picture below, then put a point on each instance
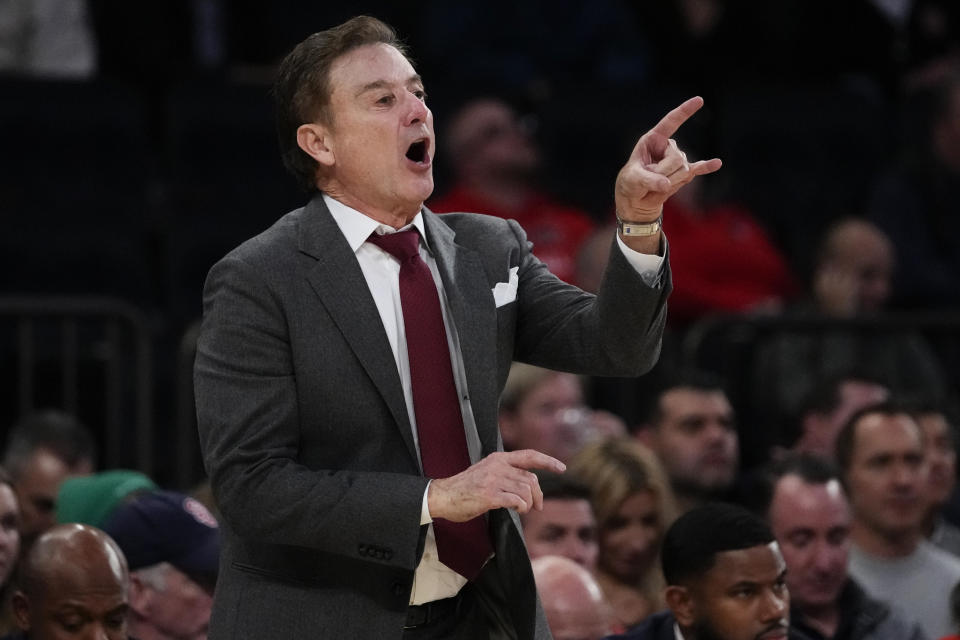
(89, 356)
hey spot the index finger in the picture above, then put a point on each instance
(669, 124)
(533, 459)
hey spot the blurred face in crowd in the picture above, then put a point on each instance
(630, 539)
(550, 418)
(565, 527)
(861, 261)
(812, 525)
(377, 150)
(168, 605)
(489, 139)
(37, 488)
(821, 430)
(9, 532)
(572, 600)
(887, 476)
(742, 597)
(81, 593)
(941, 457)
(696, 440)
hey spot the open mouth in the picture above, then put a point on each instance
(418, 151)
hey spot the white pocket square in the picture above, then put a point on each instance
(506, 292)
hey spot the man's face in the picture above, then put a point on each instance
(696, 440)
(551, 418)
(180, 610)
(887, 475)
(565, 527)
(37, 489)
(812, 525)
(80, 604)
(381, 132)
(630, 539)
(941, 457)
(494, 141)
(742, 597)
(9, 532)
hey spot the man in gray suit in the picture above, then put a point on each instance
(318, 410)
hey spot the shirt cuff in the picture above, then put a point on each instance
(648, 267)
(425, 508)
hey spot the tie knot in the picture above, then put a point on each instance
(402, 245)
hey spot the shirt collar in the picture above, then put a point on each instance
(357, 226)
(676, 632)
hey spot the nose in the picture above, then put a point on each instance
(417, 110)
(826, 558)
(905, 476)
(642, 537)
(775, 605)
(99, 633)
(576, 550)
(716, 430)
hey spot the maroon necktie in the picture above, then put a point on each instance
(462, 546)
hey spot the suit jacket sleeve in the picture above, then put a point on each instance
(615, 333)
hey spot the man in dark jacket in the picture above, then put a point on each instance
(810, 516)
(726, 580)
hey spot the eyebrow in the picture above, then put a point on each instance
(380, 84)
(744, 583)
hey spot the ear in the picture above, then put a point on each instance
(139, 595)
(315, 141)
(680, 602)
(21, 610)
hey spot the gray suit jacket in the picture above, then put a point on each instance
(305, 432)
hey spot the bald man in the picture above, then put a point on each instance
(73, 584)
(571, 599)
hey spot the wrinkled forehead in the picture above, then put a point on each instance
(370, 63)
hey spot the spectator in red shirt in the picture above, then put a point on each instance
(722, 260)
(495, 162)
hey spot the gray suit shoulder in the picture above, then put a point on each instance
(280, 236)
(473, 226)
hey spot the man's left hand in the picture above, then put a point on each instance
(657, 168)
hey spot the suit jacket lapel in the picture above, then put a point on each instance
(468, 293)
(344, 293)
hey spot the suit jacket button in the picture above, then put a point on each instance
(362, 549)
(387, 554)
(398, 589)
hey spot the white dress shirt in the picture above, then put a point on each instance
(433, 580)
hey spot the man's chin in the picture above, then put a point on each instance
(421, 191)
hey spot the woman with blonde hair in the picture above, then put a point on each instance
(634, 505)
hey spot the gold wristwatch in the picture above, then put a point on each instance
(635, 229)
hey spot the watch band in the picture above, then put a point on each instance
(634, 229)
